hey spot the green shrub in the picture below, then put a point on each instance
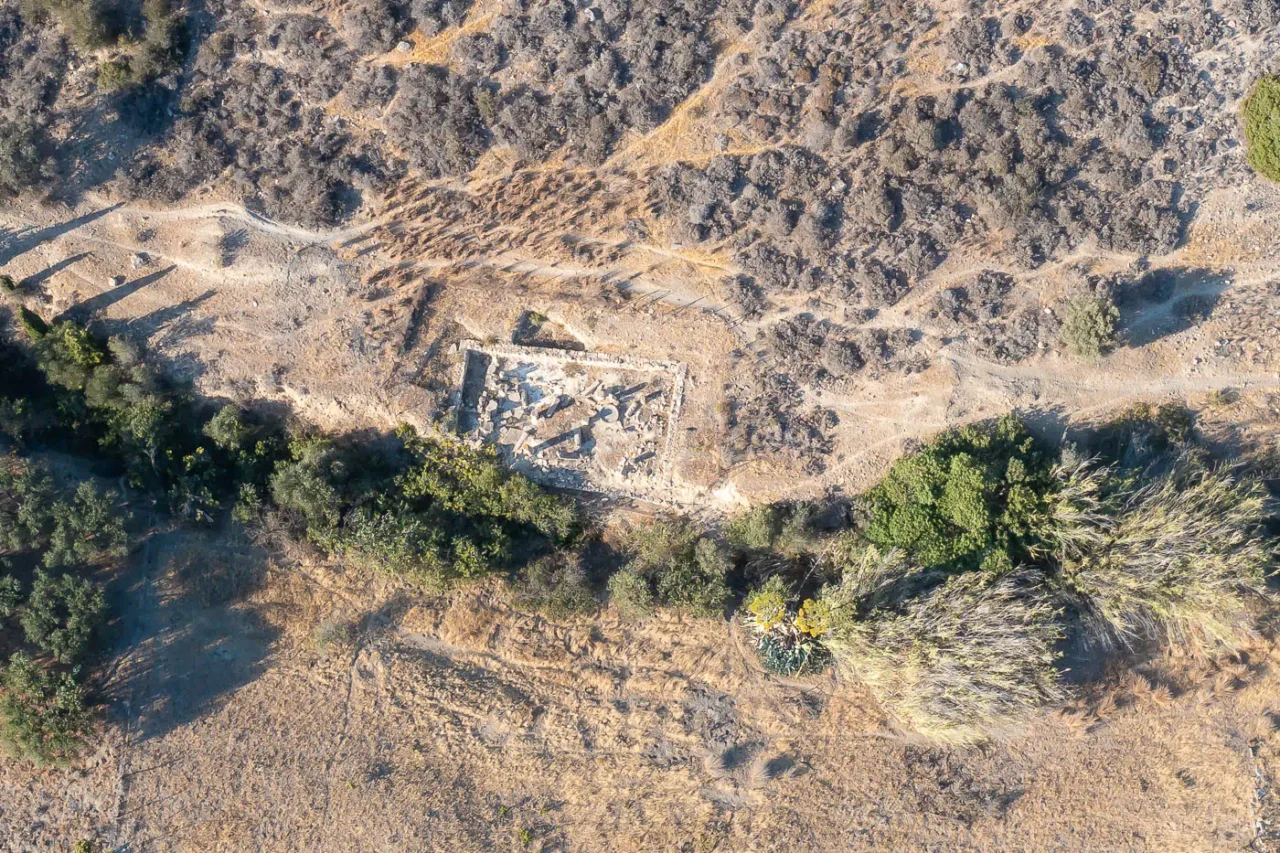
(1182, 556)
(68, 353)
(976, 497)
(784, 530)
(228, 429)
(114, 75)
(32, 323)
(304, 485)
(26, 504)
(446, 513)
(631, 593)
(754, 529)
(697, 586)
(62, 614)
(555, 586)
(8, 284)
(955, 662)
(683, 570)
(10, 594)
(86, 529)
(1090, 327)
(1261, 115)
(42, 714)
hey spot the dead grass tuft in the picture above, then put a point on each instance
(967, 658)
(1180, 556)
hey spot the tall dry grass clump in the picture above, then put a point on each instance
(952, 659)
(1178, 556)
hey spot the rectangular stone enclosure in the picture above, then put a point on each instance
(573, 419)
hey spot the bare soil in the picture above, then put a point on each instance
(457, 723)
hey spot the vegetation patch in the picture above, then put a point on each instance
(1180, 556)
(1090, 327)
(788, 638)
(983, 549)
(953, 662)
(555, 586)
(977, 497)
(671, 565)
(1262, 126)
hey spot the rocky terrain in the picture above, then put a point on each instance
(679, 255)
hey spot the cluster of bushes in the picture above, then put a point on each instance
(159, 48)
(152, 41)
(971, 559)
(430, 510)
(970, 565)
(671, 566)
(50, 537)
(981, 551)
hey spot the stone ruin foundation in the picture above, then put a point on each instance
(573, 419)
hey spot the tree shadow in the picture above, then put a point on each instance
(19, 241)
(33, 282)
(172, 323)
(96, 304)
(182, 651)
(1165, 302)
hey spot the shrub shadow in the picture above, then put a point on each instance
(1167, 301)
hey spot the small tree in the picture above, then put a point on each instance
(42, 715)
(1090, 329)
(62, 614)
(85, 529)
(1261, 115)
(10, 593)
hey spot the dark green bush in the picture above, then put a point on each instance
(976, 497)
(784, 529)
(43, 718)
(85, 529)
(10, 594)
(755, 529)
(31, 322)
(442, 513)
(26, 504)
(1261, 114)
(62, 614)
(555, 586)
(678, 568)
(632, 594)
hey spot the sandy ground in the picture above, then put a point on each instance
(458, 724)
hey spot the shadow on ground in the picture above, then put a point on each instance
(185, 638)
(1165, 302)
